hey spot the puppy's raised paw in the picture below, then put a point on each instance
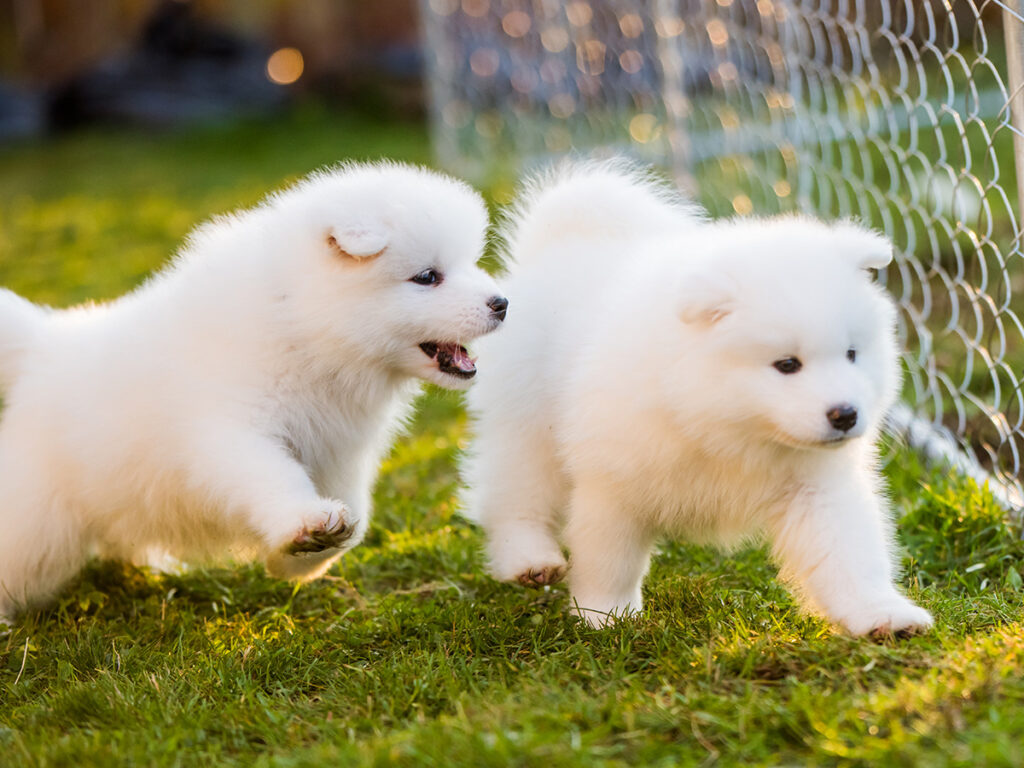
(542, 576)
(330, 532)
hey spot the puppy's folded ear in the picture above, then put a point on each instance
(357, 242)
(866, 248)
(705, 298)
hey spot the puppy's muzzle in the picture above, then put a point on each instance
(498, 306)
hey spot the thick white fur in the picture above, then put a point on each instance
(240, 401)
(632, 394)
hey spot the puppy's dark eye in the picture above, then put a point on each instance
(427, 277)
(851, 355)
(788, 365)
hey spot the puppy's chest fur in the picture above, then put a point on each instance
(719, 498)
(337, 427)
(722, 500)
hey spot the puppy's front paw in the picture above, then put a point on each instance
(329, 529)
(309, 552)
(894, 616)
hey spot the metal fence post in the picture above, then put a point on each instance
(1013, 30)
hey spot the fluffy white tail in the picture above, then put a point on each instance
(598, 200)
(20, 321)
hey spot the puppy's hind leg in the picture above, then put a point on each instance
(41, 544)
(609, 550)
(515, 487)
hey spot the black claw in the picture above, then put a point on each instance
(319, 540)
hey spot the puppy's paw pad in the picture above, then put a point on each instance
(905, 623)
(897, 619)
(330, 532)
(531, 562)
(542, 576)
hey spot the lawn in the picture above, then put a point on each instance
(408, 653)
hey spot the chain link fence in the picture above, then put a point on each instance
(905, 114)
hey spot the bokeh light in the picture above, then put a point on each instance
(285, 66)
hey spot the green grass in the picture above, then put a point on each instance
(408, 653)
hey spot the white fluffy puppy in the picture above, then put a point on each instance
(239, 402)
(664, 374)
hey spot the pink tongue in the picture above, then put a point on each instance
(460, 359)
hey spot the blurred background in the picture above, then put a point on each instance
(160, 63)
(125, 123)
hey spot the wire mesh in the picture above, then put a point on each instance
(515, 82)
(905, 114)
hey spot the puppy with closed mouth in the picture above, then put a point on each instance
(664, 374)
(239, 402)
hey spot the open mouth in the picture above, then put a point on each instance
(451, 358)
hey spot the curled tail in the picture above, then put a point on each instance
(597, 200)
(20, 322)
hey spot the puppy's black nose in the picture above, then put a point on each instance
(499, 306)
(842, 417)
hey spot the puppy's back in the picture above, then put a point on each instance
(591, 201)
(20, 323)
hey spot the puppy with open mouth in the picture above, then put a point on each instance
(664, 374)
(240, 401)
